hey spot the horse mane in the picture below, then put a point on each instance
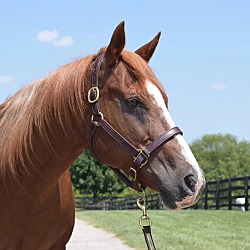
(57, 97)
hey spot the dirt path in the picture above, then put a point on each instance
(85, 236)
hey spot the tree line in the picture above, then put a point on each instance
(220, 157)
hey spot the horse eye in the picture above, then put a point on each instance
(134, 102)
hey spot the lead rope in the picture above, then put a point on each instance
(145, 222)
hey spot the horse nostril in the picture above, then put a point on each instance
(190, 181)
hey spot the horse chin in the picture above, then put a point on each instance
(168, 199)
(171, 204)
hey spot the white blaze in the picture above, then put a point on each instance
(159, 101)
(186, 152)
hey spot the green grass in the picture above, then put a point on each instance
(187, 229)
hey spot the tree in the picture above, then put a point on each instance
(91, 177)
(222, 156)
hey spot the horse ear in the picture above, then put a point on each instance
(148, 49)
(116, 45)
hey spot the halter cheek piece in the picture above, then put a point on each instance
(140, 156)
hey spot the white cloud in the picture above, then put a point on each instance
(64, 41)
(53, 37)
(6, 79)
(47, 35)
(220, 86)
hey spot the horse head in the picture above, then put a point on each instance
(131, 100)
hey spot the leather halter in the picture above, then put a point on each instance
(140, 156)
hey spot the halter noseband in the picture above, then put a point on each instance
(140, 156)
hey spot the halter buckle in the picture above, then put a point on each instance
(93, 92)
(144, 155)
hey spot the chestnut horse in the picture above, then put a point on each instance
(45, 126)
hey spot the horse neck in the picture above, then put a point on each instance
(53, 157)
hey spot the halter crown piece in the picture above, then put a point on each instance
(140, 156)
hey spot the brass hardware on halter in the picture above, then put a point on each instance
(97, 94)
(140, 152)
(135, 174)
(99, 113)
(141, 203)
(145, 221)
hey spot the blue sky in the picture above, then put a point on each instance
(203, 58)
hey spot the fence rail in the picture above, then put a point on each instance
(220, 194)
(115, 203)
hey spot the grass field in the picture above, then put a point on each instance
(187, 229)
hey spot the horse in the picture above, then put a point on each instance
(110, 103)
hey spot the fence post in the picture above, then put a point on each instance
(84, 201)
(229, 194)
(217, 197)
(246, 192)
(206, 196)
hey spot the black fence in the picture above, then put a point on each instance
(232, 193)
(220, 194)
(115, 203)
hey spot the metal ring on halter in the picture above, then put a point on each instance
(98, 114)
(93, 91)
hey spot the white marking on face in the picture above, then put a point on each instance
(185, 149)
(159, 101)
